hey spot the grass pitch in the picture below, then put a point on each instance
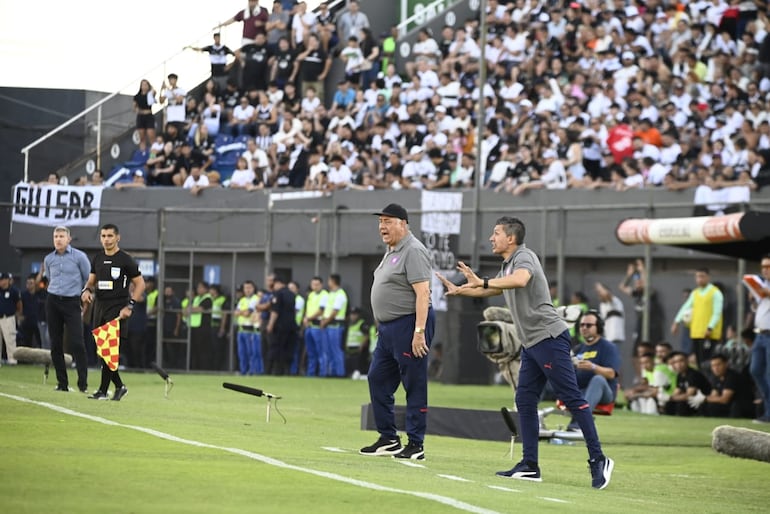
(207, 449)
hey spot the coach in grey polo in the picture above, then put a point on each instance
(67, 269)
(401, 306)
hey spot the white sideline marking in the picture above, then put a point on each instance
(410, 464)
(552, 499)
(455, 478)
(506, 489)
(333, 449)
(451, 502)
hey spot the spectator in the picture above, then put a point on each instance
(174, 97)
(197, 181)
(325, 26)
(144, 99)
(254, 20)
(311, 67)
(220, 68)
(351, 21)
(277, 26)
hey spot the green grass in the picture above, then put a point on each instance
(56, 462)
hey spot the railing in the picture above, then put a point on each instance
(420, 13)
(92, 138)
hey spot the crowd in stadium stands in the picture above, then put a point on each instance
(583, 94)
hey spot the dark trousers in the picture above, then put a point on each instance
(550, 361)
(104, 312)
(394, 364)
(64, 313)
(200, 347)
(281, 351)
(703, 348)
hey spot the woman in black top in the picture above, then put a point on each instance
(145, 120)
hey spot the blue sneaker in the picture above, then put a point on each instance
(601, 471)
(522, 471)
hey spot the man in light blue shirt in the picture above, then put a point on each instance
(67, 269)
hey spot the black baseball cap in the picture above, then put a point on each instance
(8, 275)
(394, 210)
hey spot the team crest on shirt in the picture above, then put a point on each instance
(115, 273)
(394, 259)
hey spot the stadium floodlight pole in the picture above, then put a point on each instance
(480, 123)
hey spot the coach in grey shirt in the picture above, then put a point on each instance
(67, 269)
(401, 306)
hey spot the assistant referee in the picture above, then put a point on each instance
(67, 270)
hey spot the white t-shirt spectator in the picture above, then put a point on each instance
(202, 181)
(555, 176)
(242, 178)
(657, 173)
(340, 176)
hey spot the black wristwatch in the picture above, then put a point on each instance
(486, 282)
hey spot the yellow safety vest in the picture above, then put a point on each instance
(197, 317)
(372, 337)
(299, 313)
(243, 305)
(330, 304)
(355, 336)
(152, 301)
(314, 301)
(216, 309)
(702, 310)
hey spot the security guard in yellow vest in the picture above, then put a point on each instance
(200, 328)
(357, 344)
(248, 340)
(315, 305)
(333, 325)
(705, 302)
(219, 318)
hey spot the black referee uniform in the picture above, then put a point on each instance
(113, 274)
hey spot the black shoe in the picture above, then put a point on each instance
(412, 451)
(522, 471)
(63, 389)
(119, 393)
(83, 390)
(99, 395)
(383, 446)
(601, 472)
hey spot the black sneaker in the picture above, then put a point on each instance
(383, 446)
(63, 389)
(522, 471)
(119, 393)
(601, 471)
(412, 451)
(99, 395)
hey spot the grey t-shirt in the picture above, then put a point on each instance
(534, 315)
(392, 294)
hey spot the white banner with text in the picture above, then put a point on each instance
(51, 205)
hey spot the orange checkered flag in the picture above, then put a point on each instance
(108, 342)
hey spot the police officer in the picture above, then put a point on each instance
(10, 309)
(67, 269)
(282, 327)
(112, 272)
